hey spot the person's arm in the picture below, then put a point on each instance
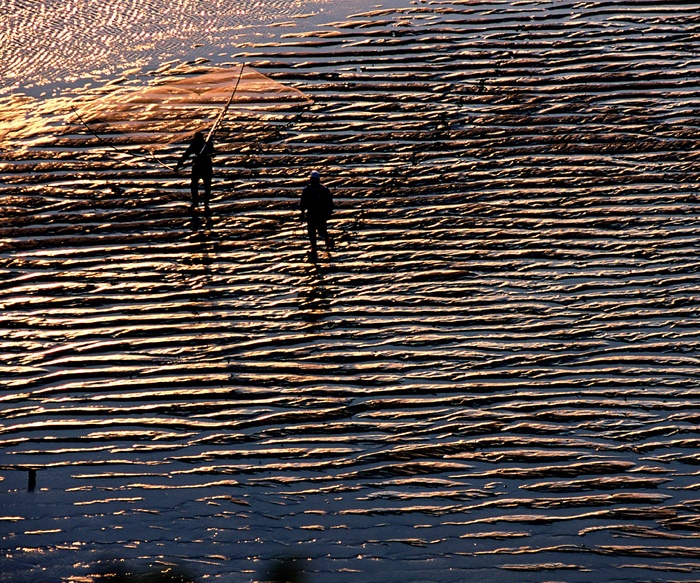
(303, 203)
(329, 200)
(186, 154)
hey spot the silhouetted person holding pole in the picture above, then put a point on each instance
(316, 207)
(202, 152)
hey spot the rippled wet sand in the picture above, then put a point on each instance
(50, 45)
(493, 378)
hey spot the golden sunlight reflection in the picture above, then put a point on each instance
(491, 373)
(166, 111)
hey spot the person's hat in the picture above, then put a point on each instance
(315, 174)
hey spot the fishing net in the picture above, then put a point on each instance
(167, 111)
(172, 109)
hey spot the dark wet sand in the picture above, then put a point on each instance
(493, 378)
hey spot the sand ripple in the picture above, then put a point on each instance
(93, 41)
(494, 377)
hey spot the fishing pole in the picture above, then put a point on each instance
(223, 111)
(150, 154)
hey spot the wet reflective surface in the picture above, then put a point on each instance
(494, 375)
(62, 43)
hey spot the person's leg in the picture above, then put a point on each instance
(207, 189)
(323, 231)
(311, 229)
(194, 187)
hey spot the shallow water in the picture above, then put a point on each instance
(53, 45)
(494, 377)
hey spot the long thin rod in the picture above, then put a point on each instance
(224, 110)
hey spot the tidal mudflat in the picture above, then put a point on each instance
(494, 377)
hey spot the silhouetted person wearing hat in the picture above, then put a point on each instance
(202, 152)
(316, 207)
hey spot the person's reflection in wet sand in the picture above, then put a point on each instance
(314, 299)
(200, 226)
(197, 271)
